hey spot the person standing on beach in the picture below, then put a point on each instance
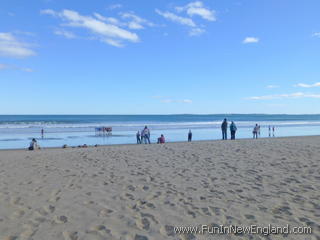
(42, 133)
(273, 128)
(224, 128)
(146, 135)
(233, 129)
(269, 131)
(138, 138)
(189, 136)
(255, 131)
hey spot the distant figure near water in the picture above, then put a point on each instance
(273, 129)
(255, 131)
(138, 138)
(224, 128)
(189, 136)
(233, 129)
(42, 133)
(269, 131)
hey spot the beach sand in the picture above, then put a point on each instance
(142, 192)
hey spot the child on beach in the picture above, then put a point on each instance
(138, 138)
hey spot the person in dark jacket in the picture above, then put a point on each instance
(189, 136)
(224, 128)
(233, 129)
(138, 138)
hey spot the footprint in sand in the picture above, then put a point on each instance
(60, 219)
(167, 230)
(105, 212)
(206, 211)
(140, 237)
(143, 224)
(99, 230)
(16, 201)
(249, 217)
(54, 196)
(28, 233)
(70, 235)
(17, 214)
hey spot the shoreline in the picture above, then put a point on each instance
(154, 143)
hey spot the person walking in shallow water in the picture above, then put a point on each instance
(224, 128)
(189, 136)
(233, 129)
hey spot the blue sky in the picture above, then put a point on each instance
(166, 57)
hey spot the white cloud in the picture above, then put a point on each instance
(317, 34)
(250, 40)
(107, 32)
(48, 12)
(285, 96)
(12, 67)
(10, 46)
(198, 8)
(136, 22)
(196, 31)
(114, 21)
(273, 86)
(27, 69)
(190, 10)
(303, 85)
(100, 17)
(175, 18)
(65, 33)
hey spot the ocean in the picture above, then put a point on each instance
(16, 131)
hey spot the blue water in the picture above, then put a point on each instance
(17, 130)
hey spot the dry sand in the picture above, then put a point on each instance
(142, 192)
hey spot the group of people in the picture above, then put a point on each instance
(144, 136)
(233, 129)
(224, 129)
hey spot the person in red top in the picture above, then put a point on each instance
(161, 139)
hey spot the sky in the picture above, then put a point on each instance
(159, 57)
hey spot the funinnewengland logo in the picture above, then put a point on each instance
(234, 229)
